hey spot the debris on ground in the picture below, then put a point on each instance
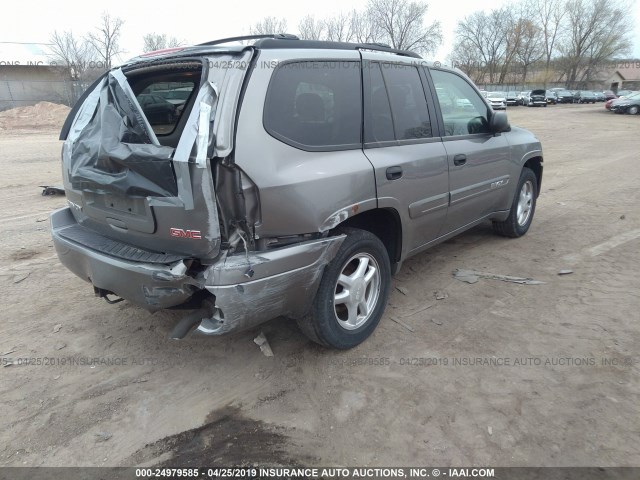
(20, 278)
(51, 190)
(103, 436)
(421, 309)
(60, 346)
(565, 272)
(490, 430)
(472, 276)
(403, 290)
(437, 322)
(440, 295)
(622, 217)
(262, 342)
(41, 116)
(10, 351)
(57, 328)
(403, 324)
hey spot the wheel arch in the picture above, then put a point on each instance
(384, 223)
(535, 164)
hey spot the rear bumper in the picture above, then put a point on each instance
(149, 285)
(248, 290)
(284, 283)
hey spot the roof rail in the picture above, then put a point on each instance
(279, 36)
(275, 43)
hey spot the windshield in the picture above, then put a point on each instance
(495, 95)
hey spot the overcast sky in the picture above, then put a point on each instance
(33, 21)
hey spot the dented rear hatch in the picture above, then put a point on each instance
(138, 152)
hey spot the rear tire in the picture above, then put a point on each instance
(352, 294)
(522, 208)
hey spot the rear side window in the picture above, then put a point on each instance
(408, 102)
(398, 106)
(315, 105)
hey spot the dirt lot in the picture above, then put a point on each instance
(566, 392)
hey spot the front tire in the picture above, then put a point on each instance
(632, 110)
(522, 208)
(352, 294)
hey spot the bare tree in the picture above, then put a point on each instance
(72, 54)
(465, 57)
(401, 24)
(484, 36)
(339, 28)
(269, 25)
(596, 31)
(156, 41)
(531, 48)
(311, 29)
(106, 39)
(363, 29)
(512, 24)
(551, 15)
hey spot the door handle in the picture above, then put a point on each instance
(460, 159)
(394, 173)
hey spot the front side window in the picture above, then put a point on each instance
(315, 105)
(463, 110)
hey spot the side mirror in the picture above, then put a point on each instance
(499, 122)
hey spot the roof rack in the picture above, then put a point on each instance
(270, 42)
(283, 40)
(279, 36)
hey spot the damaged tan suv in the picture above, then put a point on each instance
(287, 178)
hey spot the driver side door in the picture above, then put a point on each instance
(477, 160)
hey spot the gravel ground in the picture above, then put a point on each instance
(494, 373)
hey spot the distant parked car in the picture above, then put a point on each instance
(609, 95)
(157, 109)
(630, 104)
(537, 98)
(600, 97)
(624, 93)
(524, 97)
(552, 97)
(584, 96)
(498, 100)
(564, 96)
(513, 99)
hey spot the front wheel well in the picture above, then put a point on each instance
(385, 224)
(535, 164)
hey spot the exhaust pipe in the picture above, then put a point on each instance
(184, 326)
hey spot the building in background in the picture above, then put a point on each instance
(28, 75)
(625, 78)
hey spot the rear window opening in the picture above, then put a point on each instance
(166, 95)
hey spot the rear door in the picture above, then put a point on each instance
(478, 161)
(409, 159)
(137, 170)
